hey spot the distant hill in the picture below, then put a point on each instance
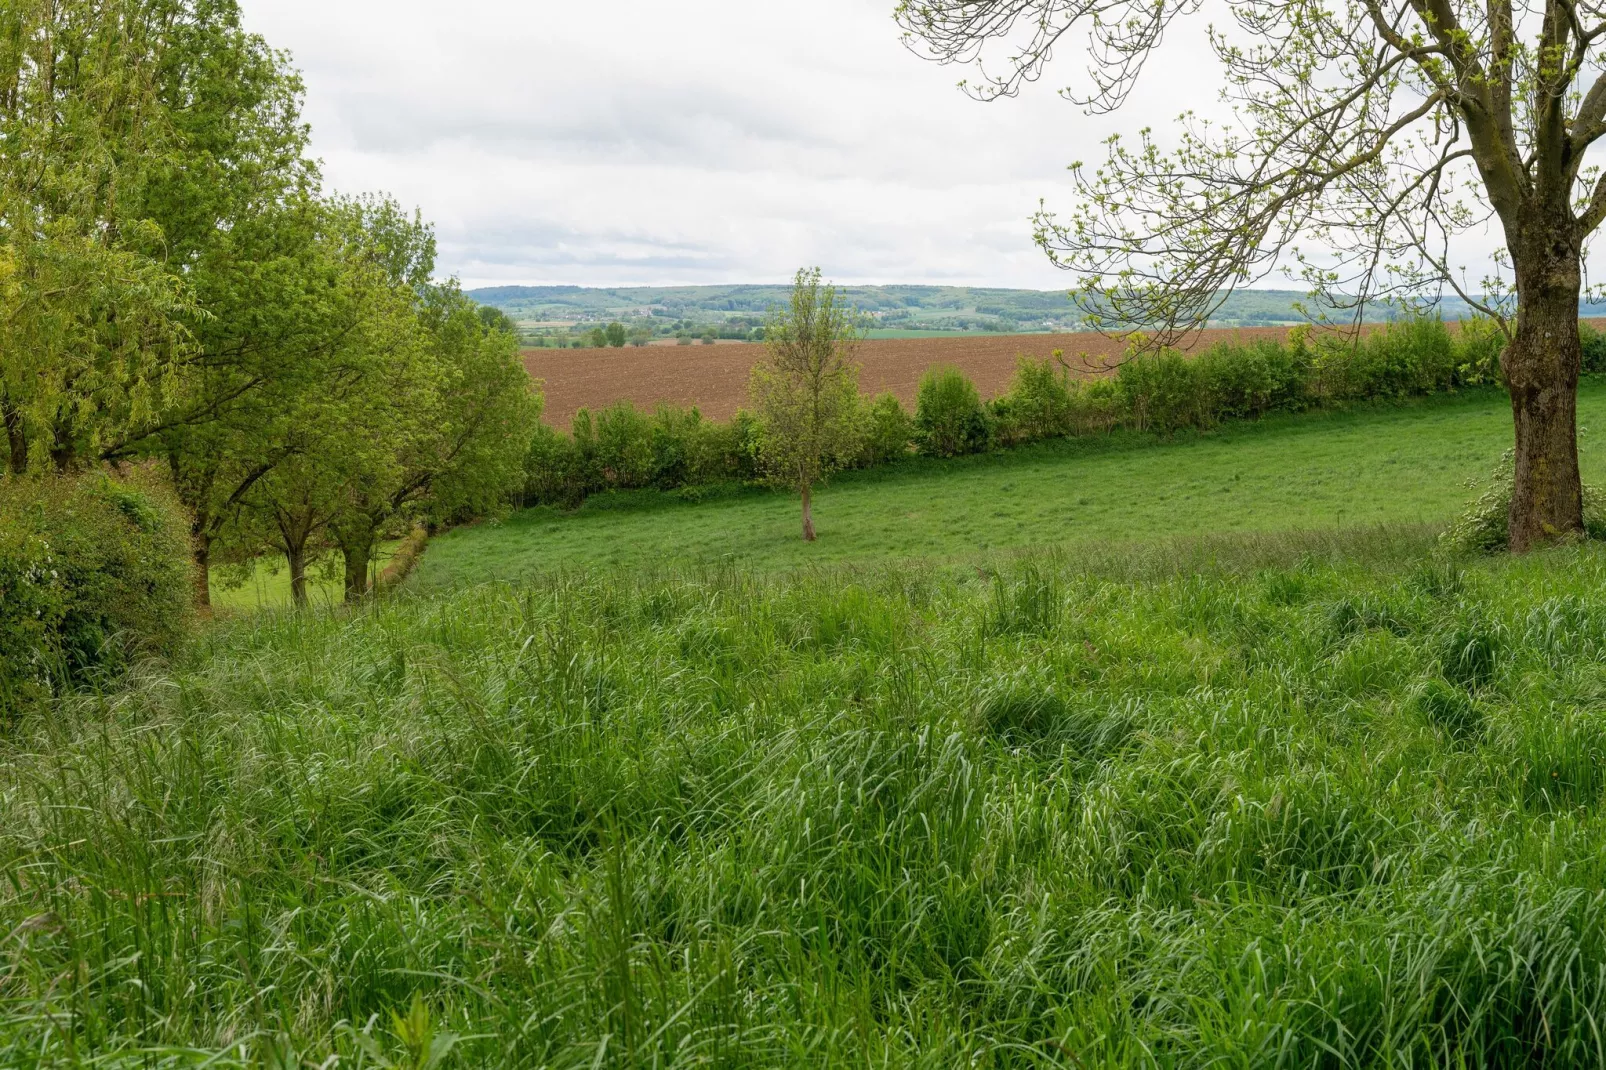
(892, 308)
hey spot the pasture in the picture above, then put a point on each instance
(1373, 464)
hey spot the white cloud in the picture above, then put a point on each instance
(617, 142)
(706, 141)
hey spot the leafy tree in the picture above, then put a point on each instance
(805, 391)
(615, 335)
(236, 206)
(459, 446)
(1380, 130)
(88, 325)
(598, 338)
(494, 319)
(370, 386)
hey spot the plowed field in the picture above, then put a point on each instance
(714, 378)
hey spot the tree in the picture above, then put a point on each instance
(805, 391)
(1379, 130)
(615, 334)
(458, 446)
(367, 384)
(235, 201)
(89, 329)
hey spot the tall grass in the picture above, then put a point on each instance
(1299, 802)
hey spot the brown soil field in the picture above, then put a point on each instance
(714, 378)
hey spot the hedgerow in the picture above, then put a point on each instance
(1164, 392)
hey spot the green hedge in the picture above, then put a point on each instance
(1165, 392)
(94, 574)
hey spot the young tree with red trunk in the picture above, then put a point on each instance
(1376, 130)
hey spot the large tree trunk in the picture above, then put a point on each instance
(295, 553)
(358, 550)
(808, 515)
(1541, 366)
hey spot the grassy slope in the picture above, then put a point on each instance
(1385, 464)
(1293, 809)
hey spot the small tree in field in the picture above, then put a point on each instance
(806, 391)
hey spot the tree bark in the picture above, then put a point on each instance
(295, 555)
(16, 439)
(203, 571)
(1542, 367)
(808, 515)
(358, 552)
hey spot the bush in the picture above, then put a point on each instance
(554, 470)
(1239, 381)
(949, 417)
(1038, 404)
(94, 574)
(622, 448)
(1415, 356)
(1479, 347)
(1160, 391)
(887, 431)
(1593, 343)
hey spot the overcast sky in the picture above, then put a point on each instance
(616, 142)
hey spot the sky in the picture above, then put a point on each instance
(637, 142)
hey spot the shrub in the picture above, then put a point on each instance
(887, 431)
(949, 417)
(554, 470)
(1095, 406)
(1240, 381)
(1160, 391)
(94, 574)
(1413, 356)
(624, 446)
(1038, 404)
(1478, 350)
(1593, 343)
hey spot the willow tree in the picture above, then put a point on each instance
(1373, 132)
(89, 325)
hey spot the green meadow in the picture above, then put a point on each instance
(1373, 464)
(1263, 800)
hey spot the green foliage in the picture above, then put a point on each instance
(1247, 380)
(1401, 359)
(888, 431)
(805, 391)
(614, 334)
(1167, 392)
(1039, 403)
(622, 448)
(1161, 391)
(950, 419)
(94, 574)
(1149, 809)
